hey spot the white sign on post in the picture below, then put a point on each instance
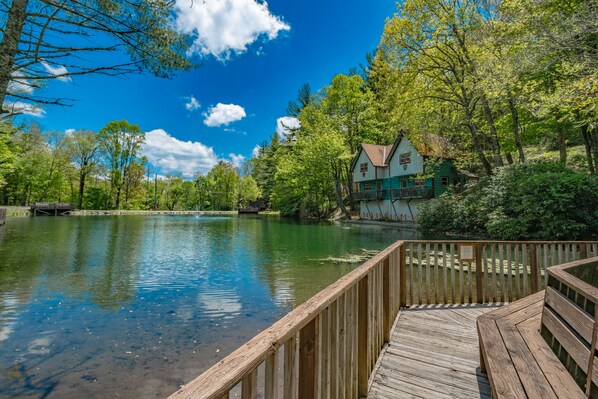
(466, 252)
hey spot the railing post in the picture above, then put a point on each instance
(387, 322)
(583, 251)
(533, 265)
(479, 285)
(363, 339)
(403, 274)
(308, 361)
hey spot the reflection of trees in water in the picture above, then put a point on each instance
(115, 284)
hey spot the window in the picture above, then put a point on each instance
(379, 185)
(363, 167)
(418, 182)
(368, 186)
(445, 181)
(404, 183)
(405, 158)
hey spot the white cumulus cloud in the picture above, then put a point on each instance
(225, 27)
(285, 124)
(173, 155)
(256, 151)
(236, 159)
(19, 107)
(192, 104)
(57, 71)
(224, 114)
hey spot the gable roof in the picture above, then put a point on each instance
(427, 145)
(378, 154)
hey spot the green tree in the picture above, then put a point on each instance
(248, 190)
(224, 190)
(120, 142)
(83, 148)
(41, 41)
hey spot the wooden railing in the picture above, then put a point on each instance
(501, 271)
(328, 346)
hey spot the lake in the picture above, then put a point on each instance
(135, 306)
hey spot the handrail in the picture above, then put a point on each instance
(330, 344)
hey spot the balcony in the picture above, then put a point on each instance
(370, 195)
(412, 193)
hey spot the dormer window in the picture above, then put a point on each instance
(363, 168)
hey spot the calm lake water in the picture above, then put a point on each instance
(135, 306)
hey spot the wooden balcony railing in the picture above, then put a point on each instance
(328, 346)
(412, 192)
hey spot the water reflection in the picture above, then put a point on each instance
(135, 306)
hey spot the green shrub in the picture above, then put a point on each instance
(545, 201)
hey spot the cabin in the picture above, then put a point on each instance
(391, 181)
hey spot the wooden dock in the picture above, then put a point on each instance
(403, 324)
(433, 353)
(51, 209)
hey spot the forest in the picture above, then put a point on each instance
(106, 170)
(506, 83)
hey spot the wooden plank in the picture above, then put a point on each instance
(420, 273)
(533, 267)
(531, 300)
(494, 289)
(502, 274)
(485, 289)
(436, 276)
(349, 343)
(461, 282)
(556, 374)
(271, 376)
(503, 377)
(340, 330)
(411, 274)
(308, 361)
(545, 249)
(362, 321)
(510, 296)
(453, 280)
(333, 334)
(524, 256)
(249, 386)
(571, 313)
(590, 370)
(517, 275)
(445, 295)
(289, 379)
(479, 248)
(324, 336)
(428, 277)
(387, 322)
(578, 352)
(403, 277)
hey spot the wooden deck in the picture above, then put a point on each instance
(433, 353)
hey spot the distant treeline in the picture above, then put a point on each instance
(106, 170)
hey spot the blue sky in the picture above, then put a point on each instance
(254, 55)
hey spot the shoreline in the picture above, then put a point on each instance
(400, 225)
(122, 212)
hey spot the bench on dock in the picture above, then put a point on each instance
(514, 341)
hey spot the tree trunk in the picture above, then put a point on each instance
(509, 158)
(562, 143)
(493, 134)
(515, 121)
(82, 177)
(588, 144)
(477, 146)
(10, 44)
(339, 198)
(594, 141)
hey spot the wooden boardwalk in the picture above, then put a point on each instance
(433, 353)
